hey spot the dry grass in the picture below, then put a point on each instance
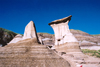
(95, 53)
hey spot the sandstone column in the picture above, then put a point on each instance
(30, 31)
(64, 39)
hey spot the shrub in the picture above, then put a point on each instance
(91, 52)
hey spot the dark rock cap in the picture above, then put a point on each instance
(63, 20)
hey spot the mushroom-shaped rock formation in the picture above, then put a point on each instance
(64, 39)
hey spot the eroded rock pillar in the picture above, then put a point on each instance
(64, 39)
(30, 31)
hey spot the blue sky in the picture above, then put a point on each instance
(15, 14)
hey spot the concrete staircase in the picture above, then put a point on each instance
(28, 53)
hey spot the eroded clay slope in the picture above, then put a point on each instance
(28, 53)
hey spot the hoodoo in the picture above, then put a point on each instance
(30, 31)
(64, 39)
(29, 53)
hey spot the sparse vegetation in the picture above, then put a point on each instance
(7, 31)
(96, 35)
(95, 53)
(76, 30)
(6, 36)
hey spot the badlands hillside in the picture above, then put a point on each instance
(32, 50)
(6, 36)
(84, 38)
(28, 53)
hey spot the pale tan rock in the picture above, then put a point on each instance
(62, 32)
(64, 39)
(16, 39)
(30, 31)
(67, 46)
